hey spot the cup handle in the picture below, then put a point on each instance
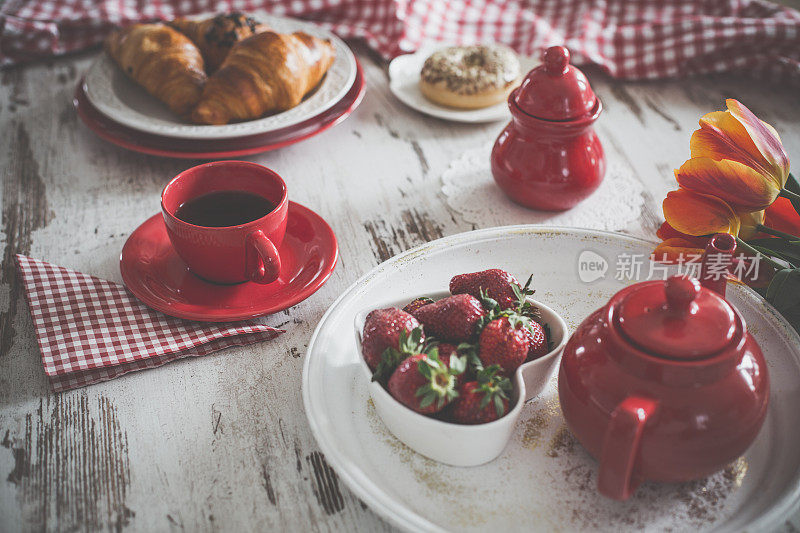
(621, 447)
(262, 259)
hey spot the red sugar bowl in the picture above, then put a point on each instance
(664, 383)
(549, 157)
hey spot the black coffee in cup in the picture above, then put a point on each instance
(224, 208)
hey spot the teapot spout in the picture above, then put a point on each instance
(717, 262)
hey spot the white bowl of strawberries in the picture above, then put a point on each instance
(450, 372)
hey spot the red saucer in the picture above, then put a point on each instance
(147, 143)
(155, 274)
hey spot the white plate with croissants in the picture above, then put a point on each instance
(219, 76)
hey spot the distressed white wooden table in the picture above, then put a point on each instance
(222, 442)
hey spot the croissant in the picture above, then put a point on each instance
(267, 72)
(216, 36)
(163, 61)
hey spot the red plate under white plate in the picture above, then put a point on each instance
(155, 274)
(148, 143)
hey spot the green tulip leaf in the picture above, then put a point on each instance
(793, 186)
(784, 289)
(781, 248)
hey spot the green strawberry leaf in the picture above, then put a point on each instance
(433, 353)
(504, 384)
(499, 407)
(390, 358)
(411, 344)
(522, 294)
(423, 390)
(427, 400)
(458, 365)
(470, 351)
(441, 401)
(486, 375)
(488, 303)
(494, 388)
(424, 368)
(485, 401)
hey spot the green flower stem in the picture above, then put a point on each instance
(774, 264)
(777, 233)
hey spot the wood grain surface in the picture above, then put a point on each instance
(221, 443)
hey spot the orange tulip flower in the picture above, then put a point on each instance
(698, 214)
(735, 182)
(691, 216)
(674, 250)
(736, 157)
(676, 245)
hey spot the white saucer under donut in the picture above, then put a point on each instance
(404, 83)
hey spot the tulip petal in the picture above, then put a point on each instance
(738, 184)
(721, 136)
(782, 217)
(748, 223)
(699, 214)
(675, 250)
(668, 232)
(764, 137)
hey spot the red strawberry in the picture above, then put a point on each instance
(424, 384)
(382, 330)
(537, 338)
(504, 342)
(453, 318)
(410, 344)
(465, 353)
(483, 400)
(495, 283)
(446, 351)
(415, 304)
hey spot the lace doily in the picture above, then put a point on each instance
(471, 191)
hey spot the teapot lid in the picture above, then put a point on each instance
(677, 319)
(555, 90)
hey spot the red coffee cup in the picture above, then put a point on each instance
(229, 254)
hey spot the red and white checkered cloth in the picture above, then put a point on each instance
(634, 39)
(91, 330)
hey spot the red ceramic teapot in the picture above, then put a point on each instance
(664, 383)
(549, 157)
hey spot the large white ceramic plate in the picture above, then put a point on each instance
(123, 100)
(543, 481)
(404, 83)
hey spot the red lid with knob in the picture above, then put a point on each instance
(555, 90)
(677, 319)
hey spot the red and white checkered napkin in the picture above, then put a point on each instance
(631, 39)
(91, 330)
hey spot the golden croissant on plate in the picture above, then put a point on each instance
(267, 72)
(215, 36)
(162, 60)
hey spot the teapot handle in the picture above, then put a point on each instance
(621, 447)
